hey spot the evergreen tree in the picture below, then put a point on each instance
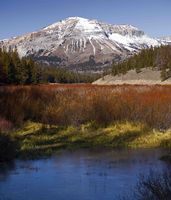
(30, 72)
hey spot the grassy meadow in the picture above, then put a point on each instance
(43, 140)
(40, 120)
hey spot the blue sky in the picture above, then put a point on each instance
(22, 16)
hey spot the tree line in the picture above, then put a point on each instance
(16, 70)
(158, 58)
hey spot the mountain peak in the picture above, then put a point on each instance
(76, 18)
(69, 19)
(77, 41)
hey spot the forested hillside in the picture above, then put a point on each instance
(14, 70)
(158, 58)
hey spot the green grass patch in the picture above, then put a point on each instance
(35, 139)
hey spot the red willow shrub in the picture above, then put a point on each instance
(77, 104)
(5, 125)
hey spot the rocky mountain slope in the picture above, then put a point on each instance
(81, 44)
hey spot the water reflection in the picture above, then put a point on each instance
(81, 175)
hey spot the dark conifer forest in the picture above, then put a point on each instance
(16, 70)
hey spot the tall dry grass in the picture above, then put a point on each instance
(78, 104)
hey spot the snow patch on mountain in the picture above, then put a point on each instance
(166, 39)
(74, 40)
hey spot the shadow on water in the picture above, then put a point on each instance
(5, 169)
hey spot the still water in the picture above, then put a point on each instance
(80, 175)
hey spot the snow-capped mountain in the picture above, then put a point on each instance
(81, 44)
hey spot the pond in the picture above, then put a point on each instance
(78, 175)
